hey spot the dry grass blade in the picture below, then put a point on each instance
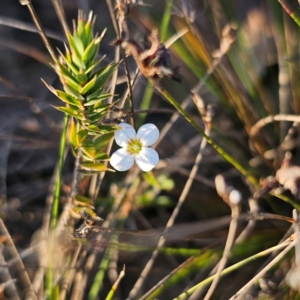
(14, 23)
(140, 282)
(39, 27)
(234, 82)
(24, 278)
(243, 290)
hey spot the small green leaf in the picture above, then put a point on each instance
(93, 172)
(103, 140)
(97, 166)
(166, 183)
(164, 201)
(104, 109)
(102, 156)
(70, 90)
(49, 87)
(67, 57)
(81, 200)
(103, 75)
(82, 134)
(89, 151)
(73, 134)
(97, 117)
(78, 44)
(99, 39)
(69, 99)
(97, 91)
(72, 44)
(94, 128)
(68, 60)
(65, 72)
(90, 52)
(73, 84)
(80, 21)
(107, 73)
(88, 144)
(88, 29)
(92, 67)
(88, 86)
(78, 62)
(71, 112)
(82, 78)
(98, 100)
(100, 105)
(151, 179)
(108, 128)
(76, 211)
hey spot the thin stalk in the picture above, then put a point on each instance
(49, 291)
(145, 103)
(103, 267)
(59, 9)
(138, 285)
(166, 20)
(62, 147)
(157, 289)
(163, 35)
(80, 284)
(292, 8)
(115, 286)
(221, 151)
(11, 289)
(227, 251)
(244, 289)
(39, 27)
(129, 89)
(232, 268)
(287, 199)
(55, 204)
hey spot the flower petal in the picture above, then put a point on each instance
(121, 160)
(122, 136)
(148, 134)
(147, 159)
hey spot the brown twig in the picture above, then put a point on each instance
(19, 263)
(139, 283)
(59, 9)
(244, 289)
(269, 119)
(39, 27)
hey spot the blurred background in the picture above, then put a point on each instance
(257, 76)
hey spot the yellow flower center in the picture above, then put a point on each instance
(134, 147)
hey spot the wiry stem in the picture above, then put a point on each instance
(39, 27)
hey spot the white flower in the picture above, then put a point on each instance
(135, 147)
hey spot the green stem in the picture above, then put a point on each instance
(166, 20)
(292, 8)
(228, 270)
(288, 200)
(50, 291)
(223, 153)
(98, 281)
(62, 147)
(145, 104)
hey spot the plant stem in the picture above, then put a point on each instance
(228, 270)
(166, 20)
(62, 147)
(221, 151)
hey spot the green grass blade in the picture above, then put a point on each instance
(228, 270)
(292, 8)
(98, 281)
(221, 151)
(166, 20)
(62, 148)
